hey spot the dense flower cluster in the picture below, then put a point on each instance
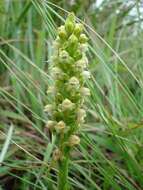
(69, 73)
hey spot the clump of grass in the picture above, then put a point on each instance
(66, 112)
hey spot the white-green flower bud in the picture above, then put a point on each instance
(80, 65)
(85, 60)
(62, 33)
(78, 29)
(64, 56)
(69, 27)
(56, 45)
(71, 17)
(73, 39)
(67, 105)
(56, 73)
(70, 23)
(51, 124)
(81, 114)
(48, 108)
(51, 90)
(83, 38)
(73, 42)
(83, 47)
(57, 155)
(73, 140)
(86, 74)
(85, 91)
(60, 126)
(54, 58)
(73, 83)
(77, 55)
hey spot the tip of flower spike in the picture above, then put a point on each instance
(70, 23)
(81, 114)
(71, 17)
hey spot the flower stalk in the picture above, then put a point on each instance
(68, 93)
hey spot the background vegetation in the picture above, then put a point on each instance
(110, 156)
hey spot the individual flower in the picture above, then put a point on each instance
(51, 90)
(85, 91)
(85, 60)
(83, 47)
(57, 154)
(73, 140)
(73, 83)
(72, 43)
(77, 55)
(78, 29)
(70, 24)
(57, 73)
(67, 105)
(60, 126)
(56, 45)
(80, 65)
(62, 33)
(50, 124)
(63, 57)
(86, 74)
(83, 38)
(81, 114)
(48, 108)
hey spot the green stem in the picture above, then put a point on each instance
(63, 172)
